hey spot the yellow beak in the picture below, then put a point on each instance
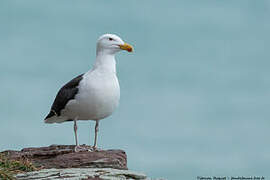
(126, 47)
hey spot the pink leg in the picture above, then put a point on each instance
(96, 132)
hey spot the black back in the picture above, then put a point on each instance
(66, 93)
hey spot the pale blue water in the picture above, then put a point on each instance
(195, 94)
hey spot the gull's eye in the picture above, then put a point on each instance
(110, 39)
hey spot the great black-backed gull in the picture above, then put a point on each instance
(93, 95)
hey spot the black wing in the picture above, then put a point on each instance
(66, 93)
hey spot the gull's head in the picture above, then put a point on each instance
(111, 44)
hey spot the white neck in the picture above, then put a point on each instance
(105, 62)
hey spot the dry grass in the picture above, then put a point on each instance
(8, 168)
(4, 174)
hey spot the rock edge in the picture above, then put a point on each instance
(63, 156)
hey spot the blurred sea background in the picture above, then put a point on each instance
(195, 94)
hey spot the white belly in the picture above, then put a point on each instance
(97, 98)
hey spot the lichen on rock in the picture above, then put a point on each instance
(82, 173)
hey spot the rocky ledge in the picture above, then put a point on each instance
(83, 174)
(63, 156)
(61, 162)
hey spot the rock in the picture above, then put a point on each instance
(63, 156)
(82, 173)
(61, 162)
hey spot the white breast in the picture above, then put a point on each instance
(97, 98)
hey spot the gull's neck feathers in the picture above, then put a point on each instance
(105, 62)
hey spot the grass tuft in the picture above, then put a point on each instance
(8, 168)
(6, 175)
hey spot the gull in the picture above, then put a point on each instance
(93, 95)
